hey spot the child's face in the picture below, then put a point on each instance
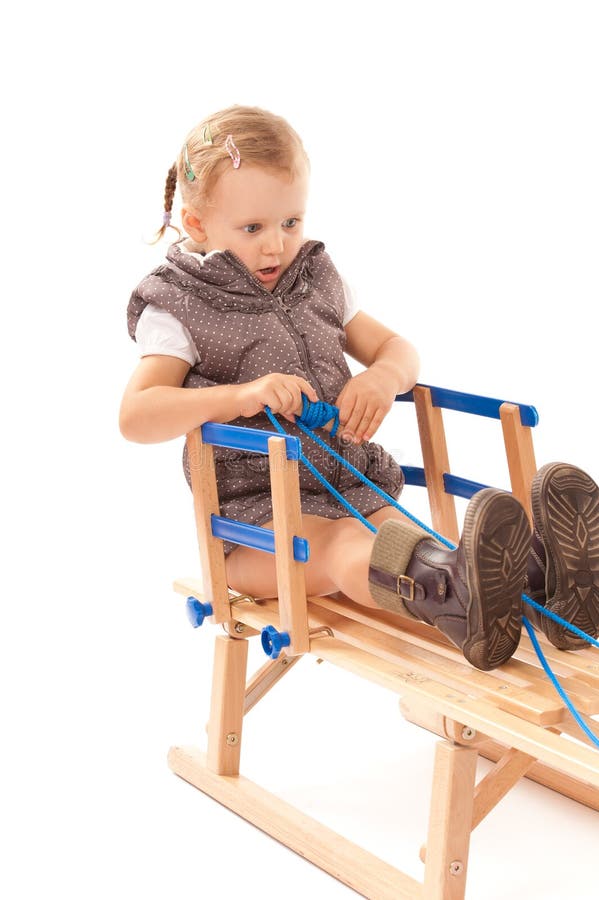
(256, 213)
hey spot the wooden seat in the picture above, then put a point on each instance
(511, 715)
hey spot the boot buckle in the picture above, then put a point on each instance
(404, 581)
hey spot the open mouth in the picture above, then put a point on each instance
(268, 274)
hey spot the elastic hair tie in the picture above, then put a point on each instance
(166, 218)
(189, 173)
(232, 151)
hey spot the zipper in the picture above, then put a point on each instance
(282, 311)
(277, 298)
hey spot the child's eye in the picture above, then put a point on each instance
(290, 223)
(251, 229)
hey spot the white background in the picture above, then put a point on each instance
(454, 149)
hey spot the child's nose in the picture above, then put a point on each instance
(273, 243)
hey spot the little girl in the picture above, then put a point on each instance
(246, 313)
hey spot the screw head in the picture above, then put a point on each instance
(468, 734)
(232, 739)
(239, 627)
(456, 867)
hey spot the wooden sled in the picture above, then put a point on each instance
(512, 715)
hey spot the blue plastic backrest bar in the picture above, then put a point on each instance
(255, 536)
(414, 475)
(252, 439)
(461, 487)
(471, 403)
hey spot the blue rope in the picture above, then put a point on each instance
(315, 415)
(551, 615)
(553, 678)
(306, 424)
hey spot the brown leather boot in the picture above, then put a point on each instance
(471, 594)
(563, 568)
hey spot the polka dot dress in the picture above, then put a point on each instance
(242, 331)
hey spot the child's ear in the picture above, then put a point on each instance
(193, 226)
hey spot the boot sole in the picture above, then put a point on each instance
(495, 543)
(565, 503)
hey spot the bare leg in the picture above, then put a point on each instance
(339, 556)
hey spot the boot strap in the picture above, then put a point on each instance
(402, 585)
(407, 588)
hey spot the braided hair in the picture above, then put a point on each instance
(169, 195)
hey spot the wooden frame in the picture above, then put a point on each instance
(510, 715)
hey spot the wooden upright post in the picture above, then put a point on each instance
(450, 823)
(287, 522)
(436, 463)
(226, 710)
(520, 453)
(205, 502)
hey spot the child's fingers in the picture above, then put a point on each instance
(308, 390)
(355, 418)
(282, 399)
(364, 426)
(373, 425)
(297, 404)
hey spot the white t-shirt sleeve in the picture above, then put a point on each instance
(160, 333)
(351, 304)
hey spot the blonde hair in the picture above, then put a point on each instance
(260, 137)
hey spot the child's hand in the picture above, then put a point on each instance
(282, 393)
(363, 404)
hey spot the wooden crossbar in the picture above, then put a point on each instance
(511, 715)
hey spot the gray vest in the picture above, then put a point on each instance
(242, 331)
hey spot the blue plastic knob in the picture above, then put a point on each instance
(197, 611)
(273, 641)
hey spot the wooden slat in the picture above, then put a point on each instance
(508, 688)
(347, 862)
(520, 454)
(581, 664)
(205, 502)
(436, 463)
(518, 676)
(287, 522)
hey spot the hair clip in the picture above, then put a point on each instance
(189, 173)
(206, 135)
(232, 151)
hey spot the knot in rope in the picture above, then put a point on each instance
(314, 415)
